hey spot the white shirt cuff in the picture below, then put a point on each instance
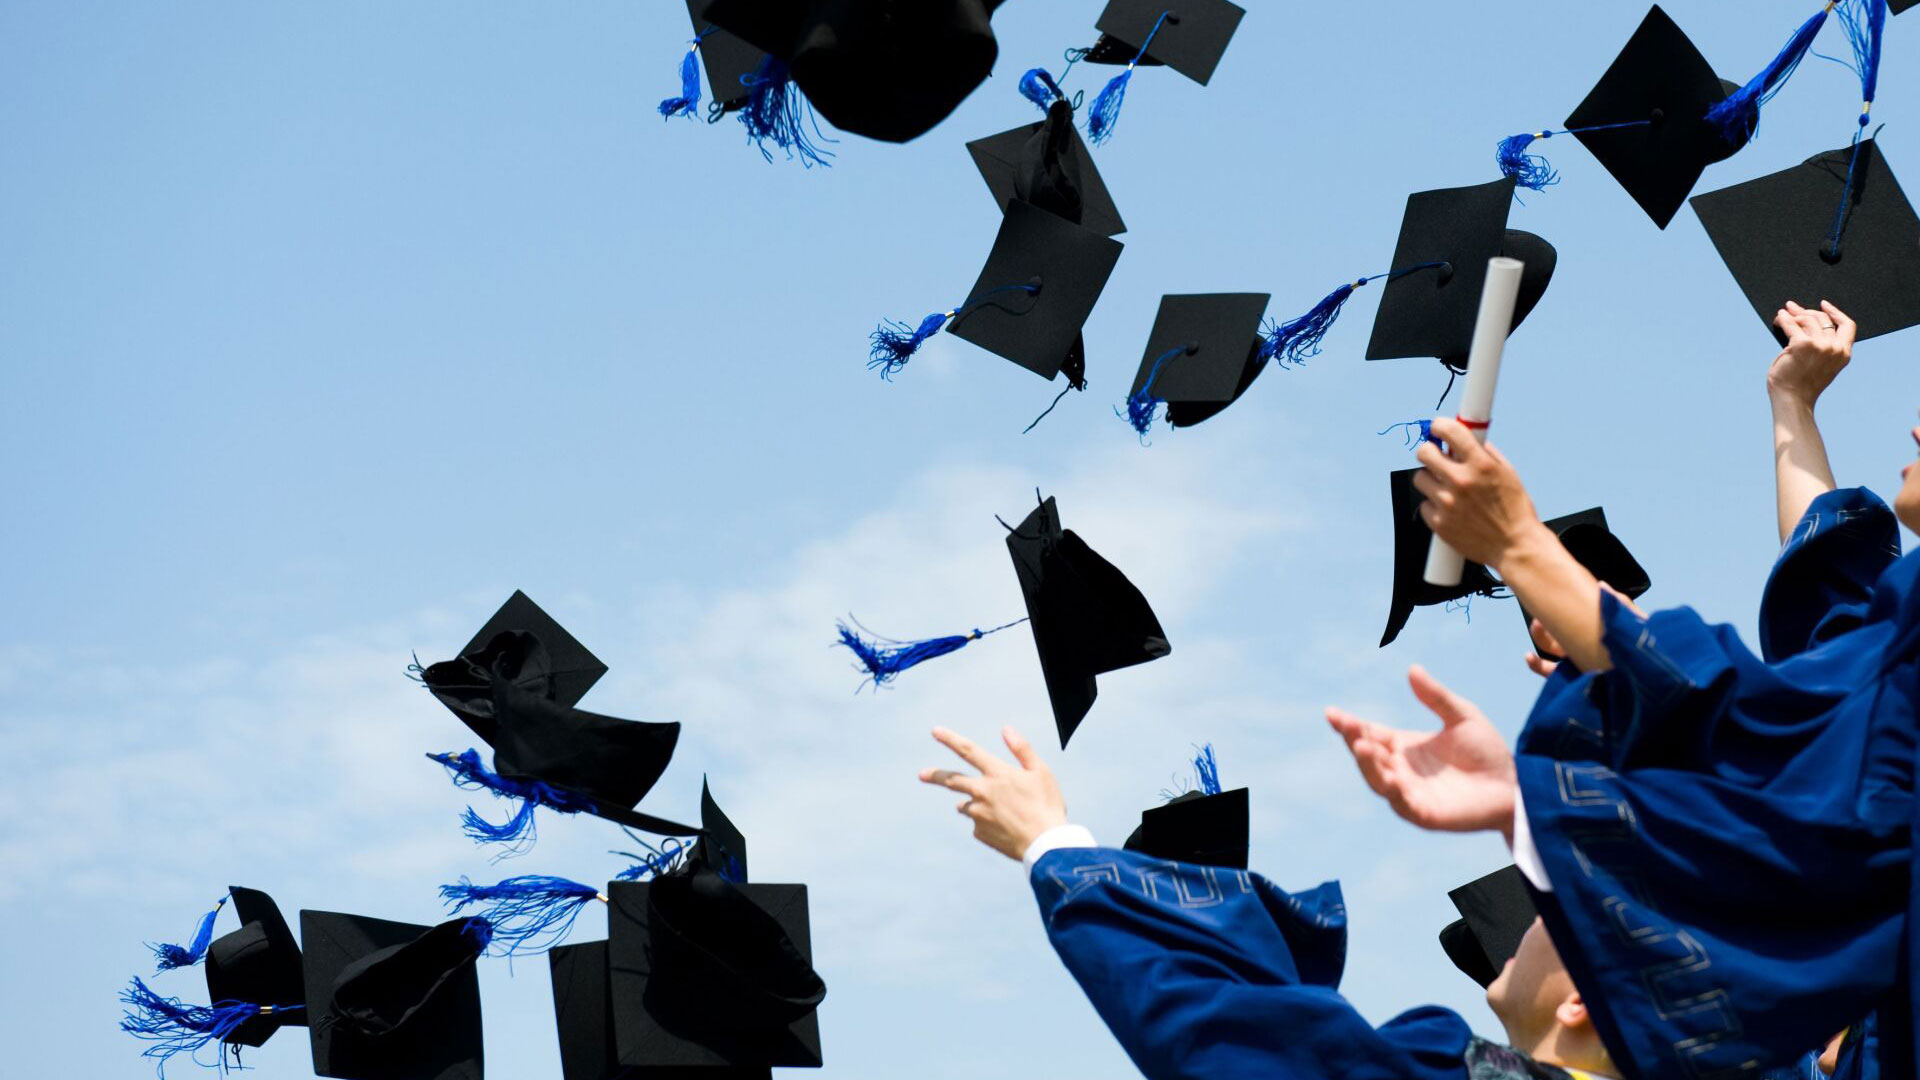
(1525, 855)
(1060, 836)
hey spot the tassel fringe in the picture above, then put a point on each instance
(884, 659)
(174, 957)
(1738, 117)
(776, 112)
(689, 98)
(1207, 771)
(893, 344)
(1530, 171)
(518, 830)
(1038, 87)
(1298, 340)
(174, 1027)
(530, 913)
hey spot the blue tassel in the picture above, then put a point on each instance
(1530, 171)
(1418, 431)
(893, 344)
(657, 862)
(478, 933)
(775, 112)
(469, 773)
(1106, 104)
(1297, 340)
(1738, 117)
(172, 957)
(530, 913)
(1207, 770)
(1038, 87)
(175, 1027)
(1141, 404)
(1865, 22)
(689, 98)
(1106, 107)
(884, 659)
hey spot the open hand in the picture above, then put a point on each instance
(1011, 804)
(1819, 346)
(1457, 779)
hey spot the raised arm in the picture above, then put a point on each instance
(1819, 345)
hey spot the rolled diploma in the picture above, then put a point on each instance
(1490, 330)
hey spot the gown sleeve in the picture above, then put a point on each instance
(1207, 972)
(1822, 582)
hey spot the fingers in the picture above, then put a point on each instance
(971, 754)
(1787, 323)
(1460, 439)
(1841, 323)
(1450, 707)
(1021, 749)
(1431, 489)
(969, 807)
(1541, 667)
(953, 781)
(1372, 759)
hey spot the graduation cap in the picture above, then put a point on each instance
(1411, 539)
(521, 644)
(1645, 121)
(517, 692)
(393, 1001)
(1188, 36)
(730, 62)
(886, 71)
(254, 983)
(1737, 116)
(1586, 537)
(1495, 912)
(1836, 227)
(710, 972)
(1205, 826)
(1040, 284)
(1202, 354)
(1048, 165)
(1087, 618)
(1899, 6)
(1432, 296)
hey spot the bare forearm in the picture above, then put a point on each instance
(1561, 593)
(1801, 471)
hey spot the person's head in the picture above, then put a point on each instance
(1906, 505)
(1544, 1015)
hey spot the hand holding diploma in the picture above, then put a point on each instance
(1490, 330)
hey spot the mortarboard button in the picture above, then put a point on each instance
(1497, 910)
(1805, 234)
(1432, 298)
(1087, 618)
(1202, 354)
(388, 999)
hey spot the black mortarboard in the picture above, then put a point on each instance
(729, 61)
(1659, 78)
(1191, 41)
(1202, 354)
(1586, 537)
(708, 973)
(1411, 539)
(1777, 234)
(1048, 164)
(1039, 286)
(393, 1001)
(258, 963)
(721, 845)
(1496, 911)
(1898, 6)
(1208, 830)
(887, 71)
(583, 1013)
(1451, 233)
(560, 668)
(517, 691)
(1087, 618)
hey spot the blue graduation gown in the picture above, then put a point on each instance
(1206, 972)
(1728, 836)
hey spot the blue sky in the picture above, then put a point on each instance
(325, 328)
